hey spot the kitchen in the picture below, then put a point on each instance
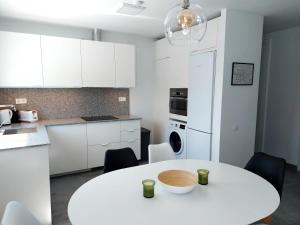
(80, 91)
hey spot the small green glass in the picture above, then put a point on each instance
(203, 176)
(148, 188)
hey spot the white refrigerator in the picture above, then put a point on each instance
(200, 105)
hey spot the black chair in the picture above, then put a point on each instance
(119, 159)
(268, 167)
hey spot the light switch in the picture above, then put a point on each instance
(122, 99)
(21, 101)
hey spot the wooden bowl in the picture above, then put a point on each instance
(178, 181)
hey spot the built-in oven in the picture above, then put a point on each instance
(178, 103)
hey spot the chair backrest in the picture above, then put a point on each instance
(268, 167)
(119, 159)
(160, 152)
(16, 214)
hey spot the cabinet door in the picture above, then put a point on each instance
(68, 148)
(96, 154)
(210, 38)
(61, 62)
(20, 60)
(125, 65)
(201, 89)
(162, 49)
(198, 145)
(98, 64)
(161, 95)
(130, 125)
(131, 136)
(130, 130)
(103, 133)
(179, 73)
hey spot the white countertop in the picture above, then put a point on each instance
(40, 137)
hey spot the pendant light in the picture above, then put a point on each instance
(185, 23)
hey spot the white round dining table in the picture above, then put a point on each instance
(233, 196)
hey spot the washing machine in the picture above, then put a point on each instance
(177, 137)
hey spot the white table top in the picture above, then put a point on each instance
(233, 196)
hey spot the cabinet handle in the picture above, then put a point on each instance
(131, 130)
(132, 140)
(105, 144)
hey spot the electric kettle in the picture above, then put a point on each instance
(5, 116)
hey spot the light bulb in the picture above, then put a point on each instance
(185, 18)
(185, 22)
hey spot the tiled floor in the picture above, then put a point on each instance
(288, 212)
(63, 187)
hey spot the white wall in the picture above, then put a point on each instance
(263, 95)
(15, 25)
(281, 132)
(235, 107)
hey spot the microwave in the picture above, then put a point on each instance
(178, 101)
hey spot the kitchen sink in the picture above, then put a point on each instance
(19, 131)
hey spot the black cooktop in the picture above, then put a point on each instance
(99, 118)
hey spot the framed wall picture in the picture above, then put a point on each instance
(242, 73)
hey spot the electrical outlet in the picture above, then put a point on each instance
(122, 99)
(21, 101)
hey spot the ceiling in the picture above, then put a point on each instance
(279, 14)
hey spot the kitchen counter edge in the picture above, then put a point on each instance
(41, 137)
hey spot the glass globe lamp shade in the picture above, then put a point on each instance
(184, 25)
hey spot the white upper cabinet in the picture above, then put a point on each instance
(162, 49)
(210, 38)
(125, 65)
(61, 62)
(28, 60)
(98, 64)
(20, 60)
(180, 67)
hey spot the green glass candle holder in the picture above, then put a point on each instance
(203, 176)
(148, 188)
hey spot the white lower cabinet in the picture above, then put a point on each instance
(68, 148)
(103, 133)
(82, 146)
(112, 135)
(96, 153)
(25, 178)
(131, 136)
(130, 125)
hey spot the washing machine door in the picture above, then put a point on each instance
(176, 142)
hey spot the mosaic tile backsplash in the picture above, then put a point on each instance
(56, 103)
